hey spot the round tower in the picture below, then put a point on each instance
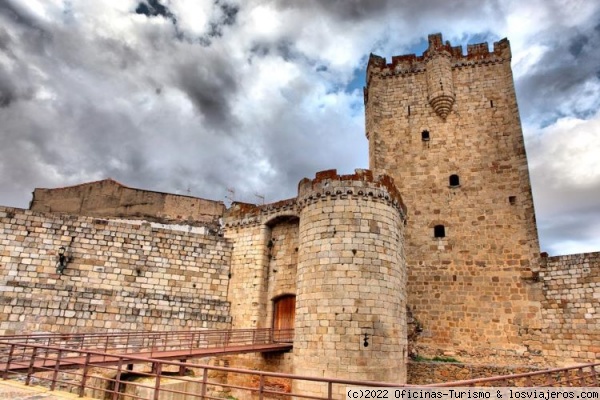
(351, 288)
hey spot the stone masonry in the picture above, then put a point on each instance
(351, 302)
(119, 277)
(446, 127)
(110, 199)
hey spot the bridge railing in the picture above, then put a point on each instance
(152, 341)
(91, 376)
(584, 375)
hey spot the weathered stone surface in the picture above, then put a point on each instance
(110, 199)
(120, 276)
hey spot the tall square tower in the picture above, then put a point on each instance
(445, 126)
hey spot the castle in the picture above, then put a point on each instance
(432, 251)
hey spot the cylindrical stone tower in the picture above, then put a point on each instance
(351, 288)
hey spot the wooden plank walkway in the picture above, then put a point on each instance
(142, 357)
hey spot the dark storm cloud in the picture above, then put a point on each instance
(18, 14)
(559, 78)
(7, 88)
(211, 85)
(153, 8)
(225, 15)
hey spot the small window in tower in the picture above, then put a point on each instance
(512, 200)
(409, 110)
(439, 231)
(454, 180)
(425, 136)
(491, 103)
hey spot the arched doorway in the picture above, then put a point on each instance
(284, 312)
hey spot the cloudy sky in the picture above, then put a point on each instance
(198, 97)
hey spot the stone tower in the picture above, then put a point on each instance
(351, 297)
(445, 126)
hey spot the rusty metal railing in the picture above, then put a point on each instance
(584, 375)
(96, 379)
(91, 376)
(152, 342)
(103, 374)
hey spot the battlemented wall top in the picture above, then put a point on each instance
(250, 214)
(410, 63)
(362, 183)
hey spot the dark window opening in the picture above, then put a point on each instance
(512, 200)
(492, 103)
(425, 135)
(408, 110)
(454, 180)
(439, 231)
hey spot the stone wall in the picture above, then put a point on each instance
(110, 199)
(263, 260)
(425, 373)
(571, 307)
(120, 276)
(471, 243)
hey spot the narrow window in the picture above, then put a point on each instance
(408, 110)
(439, 231)
(454, 180)
(425, 135)
(512, 200)
(491, 103)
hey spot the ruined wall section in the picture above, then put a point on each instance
(120, 276)
(571, 307)
(472, 288)
(110, 199)
(351, 280)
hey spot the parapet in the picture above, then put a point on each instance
(328, 184)
(240, 214)
(410, 63)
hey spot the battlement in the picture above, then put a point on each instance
(361, 183)
(250, 214)
(410, 63)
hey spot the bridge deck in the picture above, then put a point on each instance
(134, 358)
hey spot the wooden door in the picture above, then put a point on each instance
(284, 312)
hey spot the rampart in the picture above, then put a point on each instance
(571, 307)
(110, 199)
(119, 276)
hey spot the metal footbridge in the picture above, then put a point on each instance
(41, 352)
(102, 366)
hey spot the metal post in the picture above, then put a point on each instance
(85, 372)
(581, 376)
(594, 375)
(56, 369)
(157, 384)
(182, 367)
(329, 390)
(204, 380)
(31, 362)
(10, 355)
(117, 387)
(261, 387)
(192, 341)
